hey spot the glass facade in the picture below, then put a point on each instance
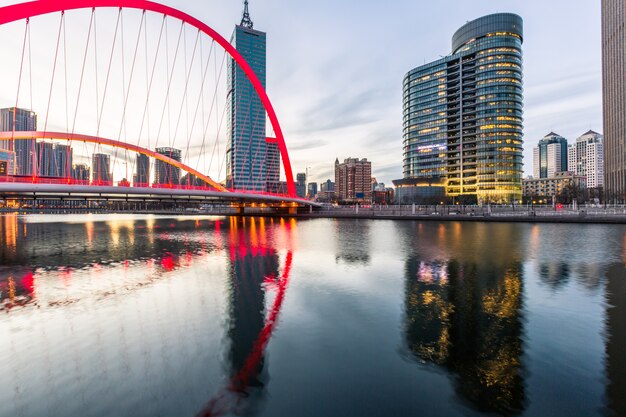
(552, 154)
(247, 149)
(164, 173)
(25, 152)
(463, 113)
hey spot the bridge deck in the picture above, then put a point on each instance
(97, 192)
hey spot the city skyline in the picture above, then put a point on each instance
(308, 69)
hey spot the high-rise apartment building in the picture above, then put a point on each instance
(586, 158)
(301, 184)
(101, 169)
(550, 156)
(353, 181)
(20, 120)
(62, 161)
(328, 185)
(81, 173)
(463, 113)
(45, 159)
(614, 98)
(142, 167)
(312, 189)
(272, 168)
(164, 173)
(251, 162)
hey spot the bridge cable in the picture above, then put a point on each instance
(82, 72)
(67, 123)
(145, 36)
(169, 84)
(222, 161)
(30, 75)
(213, 102)
(130, 80)
(19, 83)
(123, 84)
(106, 83)
(56, 54)
(200, 103)
(146, 111)
(184, 99)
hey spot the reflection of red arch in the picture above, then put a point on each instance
(110, 142)
(223, 401)
(35, 8)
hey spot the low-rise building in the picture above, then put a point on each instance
(564, 185)
(425, 190)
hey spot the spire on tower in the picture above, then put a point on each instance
(245, 19)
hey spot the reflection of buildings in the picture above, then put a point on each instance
(468, 321)
(554, 274)
(353, 241)
(616, 336)
(465, 314)
(252, 265)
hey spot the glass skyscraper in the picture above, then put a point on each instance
(614, 98)
(463, 113)
(164, 173)
(550, 156)
(251, 162)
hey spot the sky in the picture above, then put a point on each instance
(335, 69)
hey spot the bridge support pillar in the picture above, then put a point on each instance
(241, 210)
(293, 210)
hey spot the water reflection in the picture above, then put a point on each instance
(40, 254)
(254, 275)
(466, 316)
(252, 265)
(554, 274)
(59, 265)
(615, 360)
(352, 241)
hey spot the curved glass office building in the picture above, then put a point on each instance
(463, 113)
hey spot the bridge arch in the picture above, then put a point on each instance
(30, 9)
(113, 143)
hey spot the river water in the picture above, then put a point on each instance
(125, 315)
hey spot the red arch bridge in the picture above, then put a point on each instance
(133, 100)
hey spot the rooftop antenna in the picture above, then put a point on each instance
(245, 19)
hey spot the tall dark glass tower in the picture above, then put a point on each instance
(463, 113)
(142, 178)
(250, 160)
(101, 169)
(164, 173)
(614, 98)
